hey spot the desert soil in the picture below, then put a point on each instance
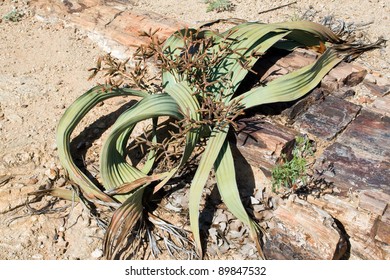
(44, 69)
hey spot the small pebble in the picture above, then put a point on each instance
(235, 225)
(213, 234)
(32, 181)
(365, 100)
(258, 208)
(37, 257)
(220, 217)
(254, 201)
(51, 173)
(98, 253)
(54, 147)
(43, 238)
(370, 78)
(61, 182)
(222, 226)
(169, 206)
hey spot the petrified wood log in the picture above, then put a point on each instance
(381, 105)
(345, 74)
(367, 231)
(361, 155)
(327, 118)
(111, 24)
(300, 230)
(262, 142)
(377, 90)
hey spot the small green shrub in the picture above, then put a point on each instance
(15, 15)
(219, 5)
(294, 171)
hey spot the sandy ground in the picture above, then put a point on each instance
(43, 68)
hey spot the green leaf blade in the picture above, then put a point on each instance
(202, 173)
(293, 85)
(115, 170)
(68, 122)
(227, 185)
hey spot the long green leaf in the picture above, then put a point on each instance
(310, 28)
(293, 85)
(258, 37)
(209, 156)
(68, 123)
(228, 189)
(115, 170)
(150, 160)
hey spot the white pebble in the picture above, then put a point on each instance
(61, 182)
(37, 257)
(254, 201)
(51, 173)
(98, 253)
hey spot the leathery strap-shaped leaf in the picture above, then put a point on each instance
(150, 160)
(66, 126)
(209, 156)
(258, 37)
(228, 189)
(259, 44)
(124, 179)
(115, 170)
(320, 31)
(293, 85)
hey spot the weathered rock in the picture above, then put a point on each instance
(352, 171)
(361, 155)
(345, 74)
(262, 143)
(377, 90)
(113, 26)
(98, 253)
(300, 230)
(360, 226)
(302, 105)
(369, 134)
(344, 92)
(381, 105)
(330, 83)
(61, 182)
(51, 173)
(32, 181)
(298, 59)
(383, 229)
(374, 201)
(327, 118)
